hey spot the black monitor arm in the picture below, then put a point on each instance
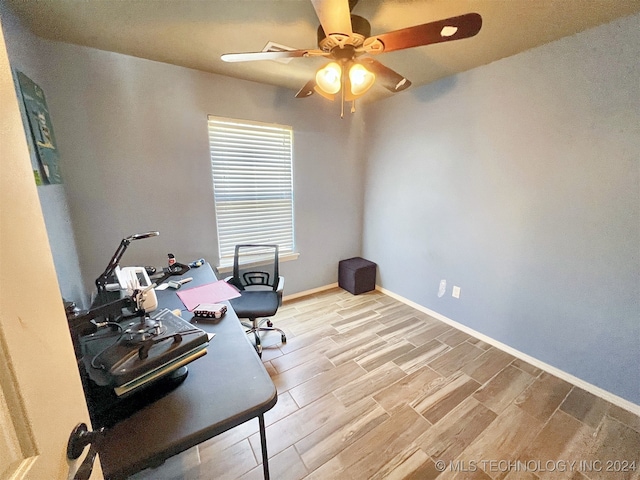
(103, 279)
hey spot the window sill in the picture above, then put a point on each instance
(226, 267)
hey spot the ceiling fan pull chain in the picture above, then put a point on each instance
(342, 92)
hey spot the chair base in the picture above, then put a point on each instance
(255, 327)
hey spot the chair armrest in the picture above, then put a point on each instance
(230, 281)
(280, 289)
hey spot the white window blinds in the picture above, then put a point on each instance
(252, 183)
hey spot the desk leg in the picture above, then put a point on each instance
(263, 442)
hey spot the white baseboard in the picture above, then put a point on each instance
(293, 296)
(599, 392)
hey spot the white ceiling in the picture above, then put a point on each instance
(194, 33)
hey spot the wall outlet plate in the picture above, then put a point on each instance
(456, 292)
(442, 288)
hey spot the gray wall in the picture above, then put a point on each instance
(133, 139)
(25, 54)
(520, 183)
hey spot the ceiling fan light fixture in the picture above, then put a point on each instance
(361, 79)
(324, 94)
(328, 78)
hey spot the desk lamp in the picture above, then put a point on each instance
(101, 281)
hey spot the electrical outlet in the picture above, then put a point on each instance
(442, 288)
(455, 292)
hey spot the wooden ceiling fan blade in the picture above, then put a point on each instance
(454, 28)
(334, 16)
(389, 79)
(307, 90)
(252, 56)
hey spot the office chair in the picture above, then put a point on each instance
(256, 275)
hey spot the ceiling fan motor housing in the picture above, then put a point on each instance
(361, 30)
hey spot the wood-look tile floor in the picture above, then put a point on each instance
(369, 388)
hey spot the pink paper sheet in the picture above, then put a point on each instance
(210, 293)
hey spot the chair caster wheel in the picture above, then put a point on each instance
(269, 323)
(284, 339)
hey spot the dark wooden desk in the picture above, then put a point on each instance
(226, 387)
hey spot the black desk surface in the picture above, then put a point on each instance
(225, 388)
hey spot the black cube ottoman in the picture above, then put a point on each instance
(357, 275)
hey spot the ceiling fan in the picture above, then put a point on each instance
(346, 40)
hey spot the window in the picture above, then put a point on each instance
(252, 184)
